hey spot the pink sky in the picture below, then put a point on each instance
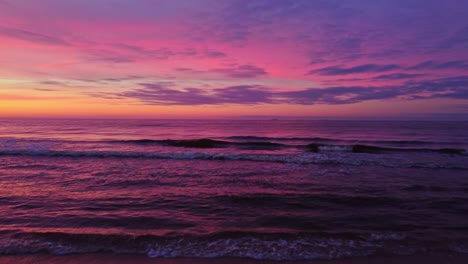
(234, 58)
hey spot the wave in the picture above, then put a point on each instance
(282, 138)
(266, 246)
(336, 140)
(267, 145)
(206, 143)
(260, 143)
(195, 143)
(376, 149)
(340, 158)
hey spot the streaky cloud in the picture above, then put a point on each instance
(31, 36)
(365, 68)
(215, 54)
(397, 76)
(448, 65)
(243, 71)
(160, 94)
(121, 59)
(422, 65)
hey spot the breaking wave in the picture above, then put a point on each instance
(355, 159)
(265, 246)
(267, 145)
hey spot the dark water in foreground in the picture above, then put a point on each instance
(274, 189)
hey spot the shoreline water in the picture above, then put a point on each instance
(107, 258)
(74, 188)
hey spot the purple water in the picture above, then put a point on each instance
(262, 189)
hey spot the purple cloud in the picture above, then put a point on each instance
(397, 76)
(455, 88)
(160, 94)
(124, 53)
(339, 95)
(53, 83)
(215, 54)
(120, 79)
(184, 69)
(365, 68)
(121, 59)
(243, 71)
(244, 94)
(31, 36)
(456, 64)
(160, 54)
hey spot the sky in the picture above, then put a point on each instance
(377, 59)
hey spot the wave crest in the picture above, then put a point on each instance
(228, 244)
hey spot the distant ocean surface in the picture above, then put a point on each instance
(263, 189)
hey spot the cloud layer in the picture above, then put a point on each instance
(161, 94)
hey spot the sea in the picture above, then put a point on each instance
(261, 189)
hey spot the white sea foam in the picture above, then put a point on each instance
(336, 148)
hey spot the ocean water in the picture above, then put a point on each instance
(271, 189)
